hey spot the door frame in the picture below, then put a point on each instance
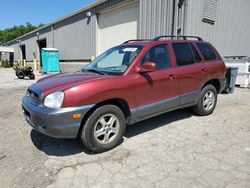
(39, 47)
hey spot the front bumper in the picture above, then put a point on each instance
(58, 123)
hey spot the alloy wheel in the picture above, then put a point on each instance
(106, 128)
(208, 100)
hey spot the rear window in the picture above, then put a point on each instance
(206, 51)
(185, 54)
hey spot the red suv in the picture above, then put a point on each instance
(131, 82)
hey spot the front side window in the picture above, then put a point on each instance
(206, 51)
(159, 55)
(185, 54)
(114, 61)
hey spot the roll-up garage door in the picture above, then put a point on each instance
(117, 26)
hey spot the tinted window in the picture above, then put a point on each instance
(185, 54)
(159, 55)
(206, 51)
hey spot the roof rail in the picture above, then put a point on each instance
(135, 40)
(184, 37)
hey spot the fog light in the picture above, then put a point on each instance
(42, 126)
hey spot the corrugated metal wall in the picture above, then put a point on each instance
(155, 18)
(76, 37)
(30, 46)
(14, 46)
(230, 32)
(30, 43)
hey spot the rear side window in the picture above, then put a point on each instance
(185, 54)
(159, 55)
(206, 51)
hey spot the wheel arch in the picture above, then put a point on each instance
(215, 83)
(120, 103)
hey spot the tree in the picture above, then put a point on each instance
(9, 34)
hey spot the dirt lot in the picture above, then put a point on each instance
(176, 149)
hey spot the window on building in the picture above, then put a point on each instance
(209, 11)
(185, 54)
(206, 51)
(159, 55)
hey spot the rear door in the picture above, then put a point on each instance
(157, 91)
(215, 65)
(191, 72)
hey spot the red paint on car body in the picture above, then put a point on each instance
(91, 88)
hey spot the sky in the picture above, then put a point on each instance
(18, 12)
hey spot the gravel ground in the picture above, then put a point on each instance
(176, 149)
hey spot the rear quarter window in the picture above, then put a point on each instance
(207, 51)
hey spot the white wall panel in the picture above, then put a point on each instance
(117, 26)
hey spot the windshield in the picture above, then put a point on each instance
(114, 61)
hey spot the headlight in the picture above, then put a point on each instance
(54, 100)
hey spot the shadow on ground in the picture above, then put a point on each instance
(156, 122)
(66, 147)
(57, 147)
(25, 78)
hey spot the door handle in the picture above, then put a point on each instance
(203, 70)
(172, 76)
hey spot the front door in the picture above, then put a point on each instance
(157, 91)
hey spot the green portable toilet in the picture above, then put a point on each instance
(50, 60)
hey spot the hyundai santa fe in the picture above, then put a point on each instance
(126, 84)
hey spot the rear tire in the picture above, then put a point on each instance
(207, 101)
(103, 129)
(32, 76)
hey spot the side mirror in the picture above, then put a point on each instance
(146, 67)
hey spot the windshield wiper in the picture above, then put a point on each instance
(95, 71)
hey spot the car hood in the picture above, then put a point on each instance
(64, 81)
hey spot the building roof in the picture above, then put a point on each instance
(61, 19)
(6, 49)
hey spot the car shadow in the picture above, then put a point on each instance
(55, 146)
(66, 147)
(157, 121)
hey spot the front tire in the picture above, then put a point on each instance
(207, 101)
(20, 74)
(103, 129)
